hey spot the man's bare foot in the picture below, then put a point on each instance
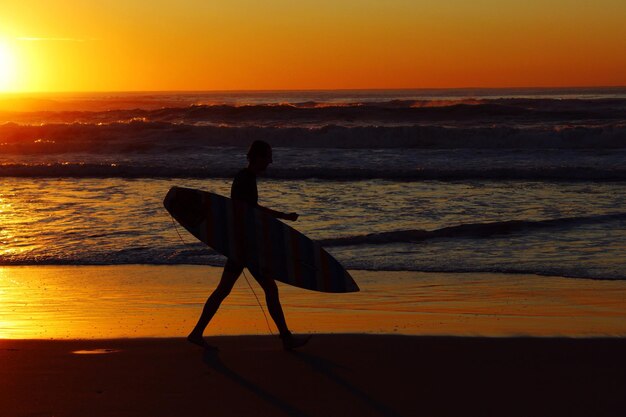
(199, 341)
(292, 342)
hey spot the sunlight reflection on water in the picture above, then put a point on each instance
(122, 221)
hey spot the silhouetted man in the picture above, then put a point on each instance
(244, 189)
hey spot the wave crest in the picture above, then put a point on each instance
(470, 230)
(108, 170)
(138, 136)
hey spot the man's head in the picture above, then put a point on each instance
(260, 155)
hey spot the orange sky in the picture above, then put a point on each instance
(89, 45)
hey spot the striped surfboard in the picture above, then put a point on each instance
(265, 245)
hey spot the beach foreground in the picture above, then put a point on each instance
(335, 375)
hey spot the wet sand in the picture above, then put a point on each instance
(134, 301)
(335, 375)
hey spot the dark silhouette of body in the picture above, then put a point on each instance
(244, 189)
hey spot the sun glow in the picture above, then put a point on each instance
(191, 45)
(8, 68)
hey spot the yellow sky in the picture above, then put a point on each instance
(90, 45)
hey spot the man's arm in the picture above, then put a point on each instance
(279, 214)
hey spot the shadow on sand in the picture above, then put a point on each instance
(326, 368)
(317, 364)
(212, 359)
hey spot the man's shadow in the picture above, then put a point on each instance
(318, 364)
(326, 367)
(212, 359)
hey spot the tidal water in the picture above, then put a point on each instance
(514, 181)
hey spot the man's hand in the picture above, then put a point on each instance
(290, 216)
(278, 214)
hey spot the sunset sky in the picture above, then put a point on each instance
(126, 45)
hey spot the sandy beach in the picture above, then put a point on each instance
(138, 301)
(107, 341)
(335, 375)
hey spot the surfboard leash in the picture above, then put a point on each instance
(177, 232)
(259, 303)
(244, 275)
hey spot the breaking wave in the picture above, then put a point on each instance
(394, 110)
(151, 137)
(473, 230)
(95, 170)
(473, 123)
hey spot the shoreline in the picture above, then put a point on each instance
(334, 375)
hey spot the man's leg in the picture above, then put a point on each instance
(276, 311)
(230, 274)
(273, 303)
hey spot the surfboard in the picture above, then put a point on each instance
(264, 244)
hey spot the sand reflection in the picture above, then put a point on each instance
(95, 351)
(163, 301)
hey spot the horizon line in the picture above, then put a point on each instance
(579, 87)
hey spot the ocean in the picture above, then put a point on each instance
(518, 181)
